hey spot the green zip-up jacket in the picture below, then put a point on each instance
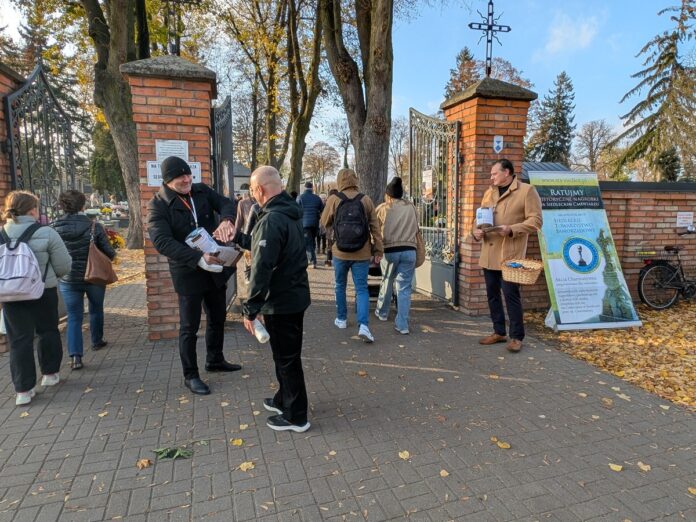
(278, 283)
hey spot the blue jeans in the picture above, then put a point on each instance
(359, 271)
(397, 271)
(73, 296)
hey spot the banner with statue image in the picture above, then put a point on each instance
(583, 273)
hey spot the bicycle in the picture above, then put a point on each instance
(662, 280)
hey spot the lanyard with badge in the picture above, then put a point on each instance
(191, 207)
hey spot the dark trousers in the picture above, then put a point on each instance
(513, 302)
(321, 241)
(286, 343)
(190, 307)
(310, 237)
(23, 319)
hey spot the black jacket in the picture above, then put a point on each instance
(169, 221)
(278, 283)
(74, 230)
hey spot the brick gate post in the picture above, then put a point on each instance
(172, 99)
(486, 109)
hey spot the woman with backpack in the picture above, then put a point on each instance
(75, 229)
(399, 223)
(25, 318)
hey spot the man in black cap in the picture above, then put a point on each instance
(174, 212)
(312, 205)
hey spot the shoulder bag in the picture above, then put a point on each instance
(99, 268)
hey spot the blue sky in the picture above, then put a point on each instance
(594, 41)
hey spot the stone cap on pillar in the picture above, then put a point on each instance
(490, 88)
(173, 67)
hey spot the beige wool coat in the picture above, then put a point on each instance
(520, 208)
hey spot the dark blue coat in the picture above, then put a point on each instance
(311, 208)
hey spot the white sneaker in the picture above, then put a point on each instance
(365, 334)
(402, 332)
(380, 317)
(50, 379)
(341, 323)
(24, 398)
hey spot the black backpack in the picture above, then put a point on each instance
(350, 224)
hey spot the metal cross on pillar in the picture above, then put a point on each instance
(489, 28)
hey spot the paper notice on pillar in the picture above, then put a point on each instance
(583, 273)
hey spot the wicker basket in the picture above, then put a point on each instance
(527, 274)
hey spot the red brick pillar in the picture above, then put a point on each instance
(171, 101)
(486, 109)
(9, 82)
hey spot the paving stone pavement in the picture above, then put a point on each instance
(435, 393)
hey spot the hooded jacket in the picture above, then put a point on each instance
(74, 230)
(348, 184)
(278, 283)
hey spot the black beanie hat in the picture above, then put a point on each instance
(395, 189)
(173, 167)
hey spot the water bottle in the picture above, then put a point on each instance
(260, 332)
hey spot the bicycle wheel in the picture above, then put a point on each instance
(659, 285)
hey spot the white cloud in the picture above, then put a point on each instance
(567, 35)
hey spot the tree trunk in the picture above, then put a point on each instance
(255, 123)
(113, 42)
(297, 148)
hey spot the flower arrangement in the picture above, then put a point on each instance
(115, 239)
(106, 210)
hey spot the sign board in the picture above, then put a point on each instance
(685, 219)
(498, 144)
(154, 173)
(583, 273)
(166, 148)
(427, 184)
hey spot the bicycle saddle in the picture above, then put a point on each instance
(674, 248)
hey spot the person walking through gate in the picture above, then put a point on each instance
(176, 210)
(75, 229)
(357, 238)
(516, 214)
(279, 293)
(243, 209)
(312, 205)
(39, 316)
(399, 223)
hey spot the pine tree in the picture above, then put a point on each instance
(104, 169)
(665, 117)
(469, 70)
(668, 165)
(552, 126)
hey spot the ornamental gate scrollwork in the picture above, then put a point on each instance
(433, 182)
(39, 143)
(223, 156)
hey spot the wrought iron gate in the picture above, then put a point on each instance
(40, 142)
(223, 156)
(434, 182)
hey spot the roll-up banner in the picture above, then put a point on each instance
(583, 273)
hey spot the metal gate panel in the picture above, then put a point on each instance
(434, 190)
(223, 180)
(40, 143)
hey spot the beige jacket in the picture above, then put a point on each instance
(347, 182)
(520, 208)
(398, 222)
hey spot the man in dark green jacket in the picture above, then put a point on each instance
(279, 291)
